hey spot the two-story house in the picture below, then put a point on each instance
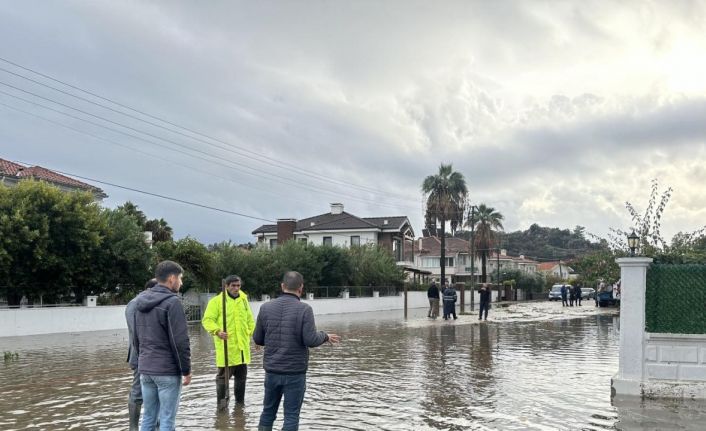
(12, 173)
(458, 260)
(340, 228)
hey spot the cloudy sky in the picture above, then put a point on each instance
(555, 112)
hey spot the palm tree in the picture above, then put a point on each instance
(487, 223)
(446, 194)
(161, 231)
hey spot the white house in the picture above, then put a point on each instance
(339, 228)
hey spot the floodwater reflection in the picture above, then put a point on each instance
(388, 374)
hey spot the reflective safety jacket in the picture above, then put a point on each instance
(240, 327)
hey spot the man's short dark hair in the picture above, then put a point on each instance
(292, 280)
(233, 278)
(151, 283)
(166, 268)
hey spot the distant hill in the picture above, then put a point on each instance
(545, 243)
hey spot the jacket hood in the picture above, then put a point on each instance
(152, 298)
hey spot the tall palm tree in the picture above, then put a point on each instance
(161, 231)
(446, 195)
(487, 224)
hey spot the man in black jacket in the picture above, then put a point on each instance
(484, 301)
(286, 327)
(162, 345)
(433, 295)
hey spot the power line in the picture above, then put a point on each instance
(258, 173)
(156, 195)
(255, 156)
(161, 158)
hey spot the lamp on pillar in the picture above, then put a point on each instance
(633, 242)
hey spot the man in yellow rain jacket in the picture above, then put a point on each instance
(240, 327)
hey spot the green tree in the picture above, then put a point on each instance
(132, 209)
(196, 260)
(161, 231)
(372, 265)
(597, 266)
(125, 258)
(487, 222)
(445, 199)
(50, 240)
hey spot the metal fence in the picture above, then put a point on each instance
(676, 299)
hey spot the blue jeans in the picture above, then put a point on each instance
(160, 399)
(292, 387)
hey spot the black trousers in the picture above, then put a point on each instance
(239, 373)
(483, 307)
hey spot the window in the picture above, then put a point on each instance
(273, 243)
(355, 241)
(328, 241)
(303, 240)
(430, 262)
(449, 261)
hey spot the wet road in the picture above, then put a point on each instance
(532, 367)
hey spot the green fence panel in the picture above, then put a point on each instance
(676, 299)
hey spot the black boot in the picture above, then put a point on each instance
(134, 412)
(239, 391)
(221, 394)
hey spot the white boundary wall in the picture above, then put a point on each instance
(654, 365)
(34, 321)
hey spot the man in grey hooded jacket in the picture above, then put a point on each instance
(162, 345)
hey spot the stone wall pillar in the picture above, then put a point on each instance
(631, 365)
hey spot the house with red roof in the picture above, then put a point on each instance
(12, 173)
(557, 269)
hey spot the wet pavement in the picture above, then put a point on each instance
(532, 366)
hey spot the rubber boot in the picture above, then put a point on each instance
(134, 412)
(221, 393)
(264, 428)
(239, 391)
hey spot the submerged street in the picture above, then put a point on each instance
(531, 366)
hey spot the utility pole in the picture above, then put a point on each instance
(497, 262)
(473, 255)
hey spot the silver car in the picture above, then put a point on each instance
(588, 293)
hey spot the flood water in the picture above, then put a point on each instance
(532, 367)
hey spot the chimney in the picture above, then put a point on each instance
(522, 256)
(336, 208)
(285, 229)
(503, 252)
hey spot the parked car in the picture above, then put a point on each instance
(555, 292)
(588, 293)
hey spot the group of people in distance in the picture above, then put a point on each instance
(450, 297)
(573, 293)
(160, 355)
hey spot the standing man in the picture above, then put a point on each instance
(286, 327)
(450, 298)
(162, 344)
(240, 327)
(572, 295)
(134, 404)
(484, 301)
(577, 294)
(563, 296)
(433, 295)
